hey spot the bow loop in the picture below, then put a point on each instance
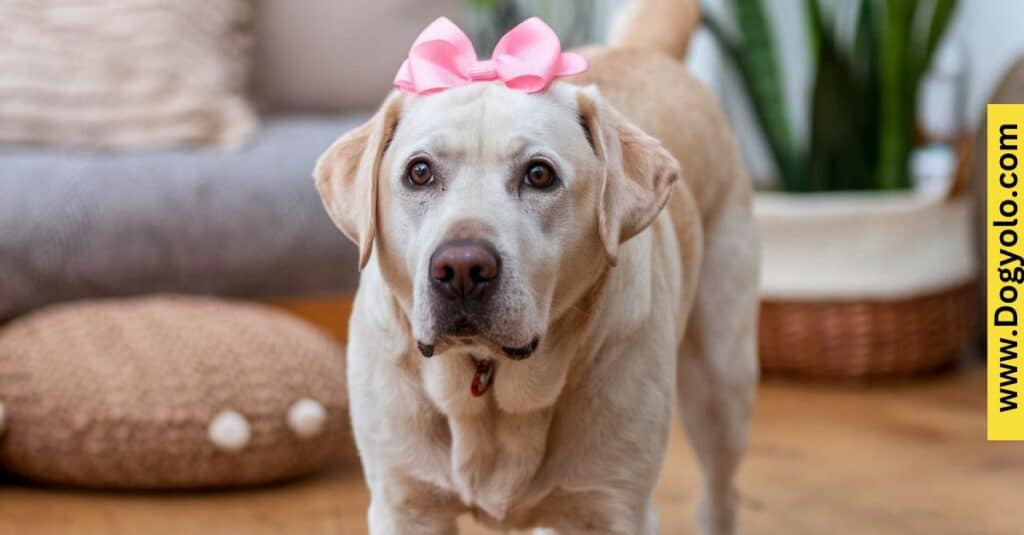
(441, 57)
(528, 58)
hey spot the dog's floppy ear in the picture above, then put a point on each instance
(348, 172)
(637, 171)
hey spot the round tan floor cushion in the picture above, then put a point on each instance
(168, 392)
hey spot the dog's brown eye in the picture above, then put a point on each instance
(540, 175)
(420, 173)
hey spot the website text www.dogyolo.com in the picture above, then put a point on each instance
(1005, 271)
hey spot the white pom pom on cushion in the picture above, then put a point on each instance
(229, 431)
(306, 418)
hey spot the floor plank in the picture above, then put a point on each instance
(886, 459)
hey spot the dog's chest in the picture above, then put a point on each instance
(495, 459)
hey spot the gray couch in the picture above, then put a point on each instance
(247, 223)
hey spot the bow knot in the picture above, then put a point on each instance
(527, 58)
(483, 71)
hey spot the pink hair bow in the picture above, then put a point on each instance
(527, 58)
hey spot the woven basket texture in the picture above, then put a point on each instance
(861, 339)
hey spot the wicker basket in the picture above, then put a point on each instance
(864, 285)
(857, 339)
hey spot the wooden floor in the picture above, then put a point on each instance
(892, 459)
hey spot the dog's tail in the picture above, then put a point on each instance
(665, 25)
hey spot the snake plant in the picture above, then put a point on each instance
(864, 90)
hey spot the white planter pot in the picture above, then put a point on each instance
(863, 245)
(858, 285)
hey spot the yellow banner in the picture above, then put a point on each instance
(1005, 271)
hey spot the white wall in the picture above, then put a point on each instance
(993, 34)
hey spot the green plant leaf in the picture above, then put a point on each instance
(753, 55)
(896, 107)
(484, 4)
(815, 26)
(841, 152)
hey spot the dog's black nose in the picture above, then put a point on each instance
(464, 268)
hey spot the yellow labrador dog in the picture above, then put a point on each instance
(543, 275)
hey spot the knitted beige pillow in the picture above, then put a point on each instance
(124, 73)
(169, 392)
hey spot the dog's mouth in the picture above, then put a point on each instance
(463, 330)
(513, 353)
(483, 368)
(520, 353)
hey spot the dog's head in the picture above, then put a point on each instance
(491, 211)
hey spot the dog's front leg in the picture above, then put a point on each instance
(388, 518)
(639, 521)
